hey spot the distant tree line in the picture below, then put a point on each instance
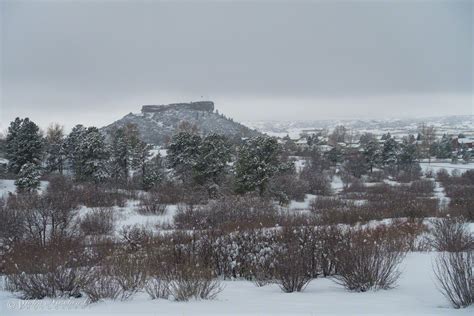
(88, 155)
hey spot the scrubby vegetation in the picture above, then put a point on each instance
(229, 207)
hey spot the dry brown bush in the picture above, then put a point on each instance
(101, 286)
(451, 234)
(99, 221)
(191, 281)
(55, 270)
(95, 195)
(151, 204)
(422, 187)
(228, 213)
(454, 273)
(368, 261)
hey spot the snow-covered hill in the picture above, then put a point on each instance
(157, 123)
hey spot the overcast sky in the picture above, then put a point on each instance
(92, 62)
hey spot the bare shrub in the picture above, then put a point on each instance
(157, 287)
(367, 262)
(54, 270)
(292, 270)
(454, 272)
(190, 281)
(376, 176)
(135, 237)
(151, 204)
(129, 272)
(288, 187)
(318, 182)
(228, 213)
(101, 286)
(424, 186)
(451, 234)
(95, 195)
(100, 221)
(329, 248)
(430, 174)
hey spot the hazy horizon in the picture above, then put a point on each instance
(92, 62)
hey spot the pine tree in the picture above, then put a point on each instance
(28, 178)
(445, 147)
(390, 150)
(87, 153)
(71, 148)
(466, 154)
(54, 148)
(128, 152)
(408, 154)
(24, 144)
(183, 154)
(153, 172)
(372, 154)
(211, 164)
(119, 155)
(94, 155)
(257, 163)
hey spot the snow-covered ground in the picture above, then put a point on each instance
(8, 186)
(450, 167)
(415, 294)
(337, 185)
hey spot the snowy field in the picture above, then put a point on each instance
(450, 167)
(415, 294)
(8, 186)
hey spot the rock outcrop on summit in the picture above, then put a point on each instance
(157, 123)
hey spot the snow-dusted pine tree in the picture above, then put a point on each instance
(258, 161)
(183, 153)
(24, 144)
(94, 155)
(371, 152)
(390, 151)
(28, 178)
(120, 155)
(214, 154)
(54, 150)
(71, 148)
(153, 172)
(87, 153)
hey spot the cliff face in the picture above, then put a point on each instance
(157, 123)
(207, 106)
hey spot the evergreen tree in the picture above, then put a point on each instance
(408, 154)
(71, 148)
(119, 155)
(466, 154)
(257, 163)
(87, 153)
(335, 155)
(153, 172)
(128, 152)
(389, 154)
(94, 155)
(54, 148)
(211, 164)
(183, 154)
(445, 148)
(28, 178)
(372, 154)
(24, 144)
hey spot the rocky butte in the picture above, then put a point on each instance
(158, 123)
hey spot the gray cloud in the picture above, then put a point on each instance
(93, 61)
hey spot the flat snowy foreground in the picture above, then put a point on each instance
(415, 295)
